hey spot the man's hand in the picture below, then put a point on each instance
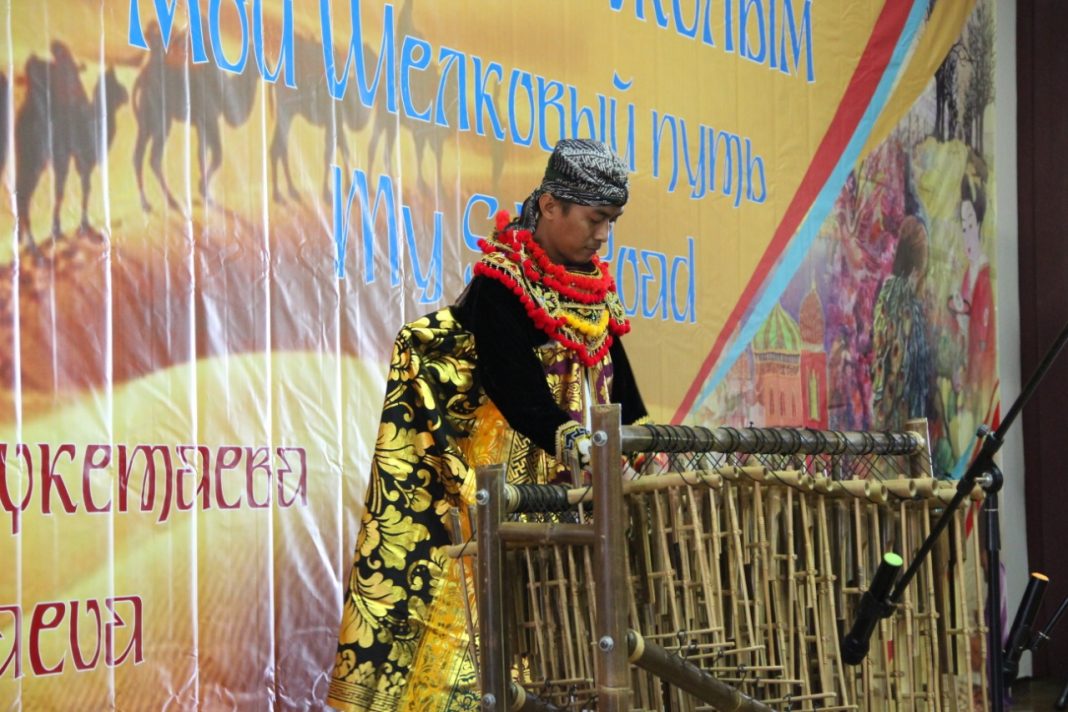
(576, 451)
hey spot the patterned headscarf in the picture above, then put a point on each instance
(581, 171)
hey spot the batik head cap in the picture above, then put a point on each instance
(582, 171)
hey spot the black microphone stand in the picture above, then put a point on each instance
(996, 660)
(1044, 635)
(983, 471)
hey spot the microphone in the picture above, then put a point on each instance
(1044, 635)
(1021, 631)
(874, 604)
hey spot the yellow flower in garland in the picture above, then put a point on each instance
(587, 328)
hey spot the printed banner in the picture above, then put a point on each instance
(220, 213)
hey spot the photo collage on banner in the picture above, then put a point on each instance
(219, 214)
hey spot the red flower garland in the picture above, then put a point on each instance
(584, 289)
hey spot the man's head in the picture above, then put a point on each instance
(583, 192)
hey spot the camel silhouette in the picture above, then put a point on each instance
(311, 100)
(57, 123)
(108, 96)
(169, 88)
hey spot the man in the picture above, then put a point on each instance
(505, 375)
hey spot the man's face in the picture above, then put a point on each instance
(572, 234)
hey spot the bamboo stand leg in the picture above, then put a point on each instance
(905, 671)
(886, 664)
(804, 631)
(556, 653)
(778, 585)
(827, 584)
(578, 605)
(681, 590)
(683, 547)
(715, 542)
(712, 539)
(560, 585)
(863, 571)
(762, 577)
(930, 579)
(753, 563)
(703, 565)
(907, 682)
(811, 575)
(739, 582)
(671, 586)
(796, 657)
(964, 621)
(943, 586)
(544, 649)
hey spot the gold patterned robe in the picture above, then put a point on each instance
(404, 643)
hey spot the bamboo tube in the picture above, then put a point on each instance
(948, 488)
(902, 487)
(920, 461)
(689, 677)
(523, 701)
(560, 588)
(926, 487)
(913, 648)
(540, 533)
(762, 571)
(811, 602)
(536, 605)
(682, 531)
(690, 478)
(714, 543)
(963, 626)
(831, 600)
(703, 565)
(932, 580)
(871, 490)
(519, 535)
(777, 586)
(860, 566)
(824, 485)
(794, 666)
(668, 571)
(739, 583)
